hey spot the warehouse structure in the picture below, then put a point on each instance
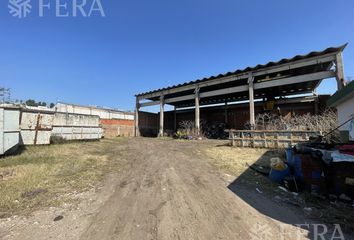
(274, 81)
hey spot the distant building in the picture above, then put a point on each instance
(114, 122)
(343, 100)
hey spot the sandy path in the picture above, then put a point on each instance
(169, 192)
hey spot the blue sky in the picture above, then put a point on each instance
(143, 45)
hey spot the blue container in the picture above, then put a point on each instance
(297, 166)
(278, 176)
(289, 156)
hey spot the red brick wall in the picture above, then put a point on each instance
(117, 127)
(117, 122)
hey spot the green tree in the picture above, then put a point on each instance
(31, 103)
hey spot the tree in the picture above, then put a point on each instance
(52, 105)
(31, 103)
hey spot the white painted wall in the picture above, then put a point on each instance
(9, 129)
(101, 112)
(345, 112)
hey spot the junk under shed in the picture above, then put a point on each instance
(266, 85)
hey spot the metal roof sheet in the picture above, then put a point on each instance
(255, 68)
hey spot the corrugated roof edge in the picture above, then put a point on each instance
(257, 67)
(341, 95)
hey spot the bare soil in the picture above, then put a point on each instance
(167, 189)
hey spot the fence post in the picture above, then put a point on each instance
(232, 134)
(291, 139)
(265, 140)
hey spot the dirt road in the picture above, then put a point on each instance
(166, 190)
(170, 192)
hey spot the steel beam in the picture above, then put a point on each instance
(297, 79)
(146, 104)
(264, 71)
(269, 84)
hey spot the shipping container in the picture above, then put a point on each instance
(9, 129)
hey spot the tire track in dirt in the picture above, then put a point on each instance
(170, 193)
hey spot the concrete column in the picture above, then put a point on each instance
(316, 102)
(226, 113)
(136, 119)
(162, 105)
(197, 112)
(339, 71)
(175, 119)
(251, 98)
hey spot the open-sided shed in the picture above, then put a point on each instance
(298, 75)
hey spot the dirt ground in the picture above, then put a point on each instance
(168, 189)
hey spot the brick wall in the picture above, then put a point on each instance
(117, 127)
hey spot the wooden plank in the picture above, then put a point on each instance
(270, 139)
(265, 140)
(273, 131)
(232, 138)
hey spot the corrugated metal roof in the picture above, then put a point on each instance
(255, 68)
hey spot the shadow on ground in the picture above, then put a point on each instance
(265, 196)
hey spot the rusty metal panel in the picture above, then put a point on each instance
(33, 137)
(36, 127)
(9, 129)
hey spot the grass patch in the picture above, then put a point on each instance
(43, 176)
(235, 161)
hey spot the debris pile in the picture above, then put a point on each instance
(187, 130)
